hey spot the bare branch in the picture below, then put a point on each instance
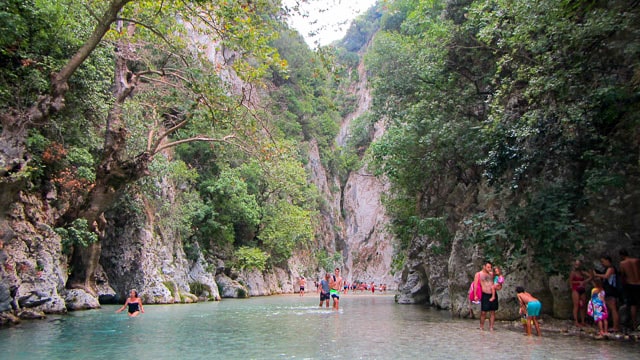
(198, 138)
(166, 133)
(104, 24)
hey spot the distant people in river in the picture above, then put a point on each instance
(335, 285)
(610, 287)
(578, 280)
(530, 306)
(373, 287)
(302, 282)
(362, 287)
(630, 277)
(597, 307)
(133, 303)
(324, 290)
(487, 306)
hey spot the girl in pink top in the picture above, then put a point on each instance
(498, 280)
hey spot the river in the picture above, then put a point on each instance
(288, 327)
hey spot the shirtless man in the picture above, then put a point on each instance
(302, 282)
(486, 283)
(335, 284)
(630, 271)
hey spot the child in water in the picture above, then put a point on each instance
(498, 280)
(598, 308)
(531, 307)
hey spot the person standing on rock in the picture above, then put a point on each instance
(630, 272)
(134, 303)
(485, 277)
(335, 284)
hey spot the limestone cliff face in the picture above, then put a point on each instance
(354, 220)
(441, 277)
(140, 252)
(33, 269)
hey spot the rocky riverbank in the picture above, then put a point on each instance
(556, 327)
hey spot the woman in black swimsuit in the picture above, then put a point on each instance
(134, 303)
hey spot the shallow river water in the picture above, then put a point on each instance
(288, 327)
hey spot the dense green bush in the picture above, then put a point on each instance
(537, 99)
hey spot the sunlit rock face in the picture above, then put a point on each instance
(353, 222)
(32, 267)
(138, 254)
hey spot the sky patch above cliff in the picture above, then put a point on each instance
(322, 22)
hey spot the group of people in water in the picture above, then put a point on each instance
(330, 287)
(608, 287)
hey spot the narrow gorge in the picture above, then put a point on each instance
(204, 160)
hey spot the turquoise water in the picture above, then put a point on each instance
(287, 327)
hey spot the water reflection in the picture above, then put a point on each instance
(366, 327)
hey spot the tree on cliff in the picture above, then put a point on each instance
(536, 100)
(183, 71)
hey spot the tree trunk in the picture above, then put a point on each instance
(112, 175)
(16, 122)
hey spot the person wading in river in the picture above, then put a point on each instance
(134, 303)
(335, 284)
(485, 276)
(302, 282)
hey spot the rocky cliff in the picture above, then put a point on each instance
(138, 251)
(353, 223)
(441, 277)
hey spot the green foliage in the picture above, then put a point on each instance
(361, 30)
(546, 225)
(532, 95)
(543, 53)
(230, 212)
(398, 262)
(285, 227)
(172, 287)
(83, 162)
(200, 289)
(77, 233)
(328, 262)
(549, 226)
(242, 293)
(251, 258)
